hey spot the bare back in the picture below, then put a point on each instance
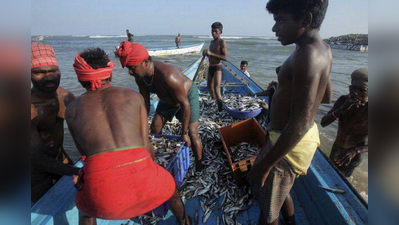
(303, 81)
(108, 118)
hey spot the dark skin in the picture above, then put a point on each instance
(243, 67)
(172, 88)
(302, 85)
(352, 135)
(48, 103)
(217, 52)
(114, 118)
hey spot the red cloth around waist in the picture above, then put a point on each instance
(123, 184)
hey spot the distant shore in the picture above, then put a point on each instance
(353, 42)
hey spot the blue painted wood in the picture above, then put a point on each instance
(313, 205)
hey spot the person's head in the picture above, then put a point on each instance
(359, 88)
(93, 68)
(217, 30)
(178, 35)
(295, 17)
(135, 57)
(244, 66)
(127, 31)
(45, 73)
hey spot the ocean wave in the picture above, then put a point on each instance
(223, 37)
(107, 36)
(78, 36)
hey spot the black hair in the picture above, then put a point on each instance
(299, 9)
(95, 57)
(217, 25)
(244, 63)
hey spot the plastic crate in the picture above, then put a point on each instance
(246, 131)
(242, 115)
(178, 167)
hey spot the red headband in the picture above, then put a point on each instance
(42, 55)
(95, 76)
(131, 54)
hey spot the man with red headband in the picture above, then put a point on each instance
(177, 93)
(109, 124)
(49, 160)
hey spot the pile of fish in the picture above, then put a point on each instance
(216, 180)
(165, 149)
(243, 151)
(243, 103)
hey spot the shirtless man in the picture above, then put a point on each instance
(216, 53)
(352, 113)
(129, 36)
(178, 40)
(303, 84)
(49, 160)
(119, 180)
(178, 94)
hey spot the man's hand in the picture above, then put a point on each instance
(185, 138)
(272, 84)
(258, 175)
(349, 104)
(345, 157)
(205, 52)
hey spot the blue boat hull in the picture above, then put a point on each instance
(313, 205)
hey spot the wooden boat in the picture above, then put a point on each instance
(186, 49)
(313, 203)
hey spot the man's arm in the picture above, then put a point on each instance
(223, 52)
(328, 95)
(69, 116)
(176, 88)
(306, 78)
(146, 95)
(329, 118)
(44, 162)
(144, 129)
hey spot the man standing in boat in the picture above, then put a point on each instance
(178, 94)
(129, 36)
(178, 41)
(119, 180)
(216, 53)
(352, 113)
(303, 84)
(49, 161)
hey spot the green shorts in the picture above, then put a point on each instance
(169, 112)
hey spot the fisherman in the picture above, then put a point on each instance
(109, 124)
(49, 161)
(129, 36)
(216, 53)
(303, 84)
(244, 68)
(352, 113)
(178, 40)
(178, 95)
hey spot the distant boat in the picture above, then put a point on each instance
(37, 38)
(186, 49)
(351, 47)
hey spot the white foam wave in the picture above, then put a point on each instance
(79, 35)
(107, 36)
(224, 37)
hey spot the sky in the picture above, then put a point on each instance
(169, 17)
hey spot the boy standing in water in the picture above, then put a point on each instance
(352, 113)
(216, 53)
(303, 84)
